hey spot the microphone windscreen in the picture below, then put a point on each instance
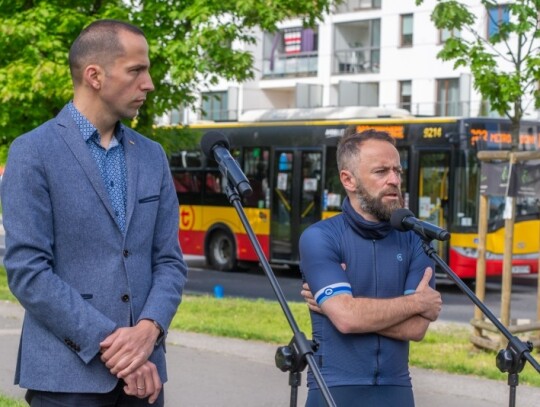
(396, 220)
(210, 140)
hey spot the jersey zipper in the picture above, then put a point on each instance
(378, 351)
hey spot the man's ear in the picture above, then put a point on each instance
(348, 180)
(93, 76)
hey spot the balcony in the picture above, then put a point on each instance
(357, 60)
(291, 65)
(348, 6)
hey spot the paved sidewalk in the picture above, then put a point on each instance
(209, 371)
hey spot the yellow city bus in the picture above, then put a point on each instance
(290, 162)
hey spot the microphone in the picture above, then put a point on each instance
(404, 220)
(215, 146)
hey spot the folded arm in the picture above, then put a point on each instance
(412, 329)
(406, 317)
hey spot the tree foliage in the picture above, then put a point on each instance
(191, 47)
(505, 65)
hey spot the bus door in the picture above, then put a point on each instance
(433, 184)
(296, 199)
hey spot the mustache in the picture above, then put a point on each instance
(390, 190)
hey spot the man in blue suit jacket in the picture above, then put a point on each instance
(91, 220)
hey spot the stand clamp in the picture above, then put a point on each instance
(510, 360)
(292, 359)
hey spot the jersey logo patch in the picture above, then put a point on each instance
(332, 290)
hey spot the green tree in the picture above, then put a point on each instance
(505, 63)
(191, 47)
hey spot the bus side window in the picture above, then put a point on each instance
(256, 168)
(213, 184)
(334, 189)
(185, 182)
(188, 186)
(214, 189)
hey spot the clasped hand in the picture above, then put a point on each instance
(144, 382)
(125, 353)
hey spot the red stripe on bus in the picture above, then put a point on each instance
(245, 249)
(465, 267)
(192, 242)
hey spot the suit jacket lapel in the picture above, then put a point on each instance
(131, 151)
(68, 130)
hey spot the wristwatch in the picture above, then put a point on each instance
(161, 335)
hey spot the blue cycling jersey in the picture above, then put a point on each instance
(379, 262)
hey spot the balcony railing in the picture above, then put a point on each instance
(219, 115)
(348, 6)
(357, 60)
(298, 64)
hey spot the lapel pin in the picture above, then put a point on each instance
(131, 142)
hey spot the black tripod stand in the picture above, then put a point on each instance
(510, 360)
(299, 353)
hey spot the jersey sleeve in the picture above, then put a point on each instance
(320, 263)
(419, 261)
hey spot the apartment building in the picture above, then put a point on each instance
(365, 53)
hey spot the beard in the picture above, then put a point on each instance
(375, 206)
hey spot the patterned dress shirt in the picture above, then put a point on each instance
(111, 162)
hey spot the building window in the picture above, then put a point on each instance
(214, 106)
(175, 117)
(358, 93)
(405, 95)
(357, 47)
(496, 17)
(445, 34)
(308, 95)
(447, 97)
(406, 30)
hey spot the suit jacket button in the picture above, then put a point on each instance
(125, 298)
(125, 253)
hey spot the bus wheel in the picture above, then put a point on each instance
(221, 252)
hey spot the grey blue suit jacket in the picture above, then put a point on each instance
(75, 273)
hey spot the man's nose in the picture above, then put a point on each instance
(394, 178)
(148, 85)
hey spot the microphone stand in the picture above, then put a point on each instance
(293, 357)
(517, 353)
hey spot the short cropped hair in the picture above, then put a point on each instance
(98, 43)
(349, 145)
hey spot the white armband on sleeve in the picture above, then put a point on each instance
(332, 290)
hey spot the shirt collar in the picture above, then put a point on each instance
(88, 130)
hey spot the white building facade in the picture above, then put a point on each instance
(365, 53)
